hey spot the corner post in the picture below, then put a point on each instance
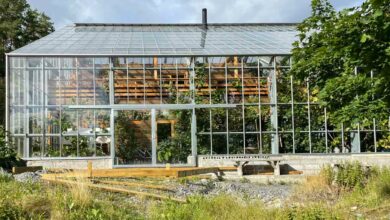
(272, 88)
(6, 98)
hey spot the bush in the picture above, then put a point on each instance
(316, 211)
(5, 176)
(348, 175)
(8, 156)
(380, 183)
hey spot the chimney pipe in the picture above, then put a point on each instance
(204, 18)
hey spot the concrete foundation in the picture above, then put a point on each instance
(67, 163)
(309, 164)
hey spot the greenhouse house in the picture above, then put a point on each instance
(151, 94)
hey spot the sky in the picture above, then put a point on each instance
(64, 12)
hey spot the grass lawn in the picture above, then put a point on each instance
(350, 193)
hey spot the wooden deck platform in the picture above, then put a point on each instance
(174, 172)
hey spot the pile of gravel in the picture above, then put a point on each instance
(266, 193)
(28, 177)
(269, 194)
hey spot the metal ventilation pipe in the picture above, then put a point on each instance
(204, 18)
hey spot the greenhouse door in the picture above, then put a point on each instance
(152, 137)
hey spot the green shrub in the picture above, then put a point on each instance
(348, 175)
(380, 183)
(313, 212)
(351, 174)
(5, 176)
(8, 156)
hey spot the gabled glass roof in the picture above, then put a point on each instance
(165, 40)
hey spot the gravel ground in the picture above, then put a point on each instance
(29, 176)
(269, 194)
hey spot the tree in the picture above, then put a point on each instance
(19, 25)
(333, 47)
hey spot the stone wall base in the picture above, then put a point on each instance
(97, 163)
(309, 164)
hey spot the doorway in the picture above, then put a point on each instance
(152, 137)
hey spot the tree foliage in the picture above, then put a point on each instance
(332, 44)
(20, 25)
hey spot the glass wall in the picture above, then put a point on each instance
(42, 94)
(65, 106)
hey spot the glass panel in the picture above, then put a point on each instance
(69, 122)
(218, 120)
(52, 62)
(302, 142)
(252, 143)
(86, 146)
(202, 81)
(17, 120)
(102, 62)
(318, 142)
(35, 78)
(183, 86)
(86, 122)
(219, 144)
(67, 63)
(169, 86)
(135, 86)
(203, 120)
(103, 145)
(102, 122)
(69, 87)
(286, 143)
(120, 87)
(234, 85)
(53, 121)
(53, 87)
(218, 89)
(284, 117)
(174, 136)
(35, 120)
(236, 119)
(252, 118)
(35, 144)
(152, 87)
(252, 87)
(17, 87)
(52, 147)
(86, 91)
(203, 144)
(18, 143)
(33, 62)
(69, 146)
(85, 62)
(17, 62)
(135, 62)
(102, 87)
(236, 144)
(119, 62)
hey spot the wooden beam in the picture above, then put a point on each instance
(149, 186)
(235, 62)
(155, 64)
(113, 189)
(17, 170)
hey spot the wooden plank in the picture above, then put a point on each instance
(142, 185)
(196, 171)
(17, 170)
(138, 172)
(113, 189)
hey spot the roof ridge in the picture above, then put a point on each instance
(184, 24)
